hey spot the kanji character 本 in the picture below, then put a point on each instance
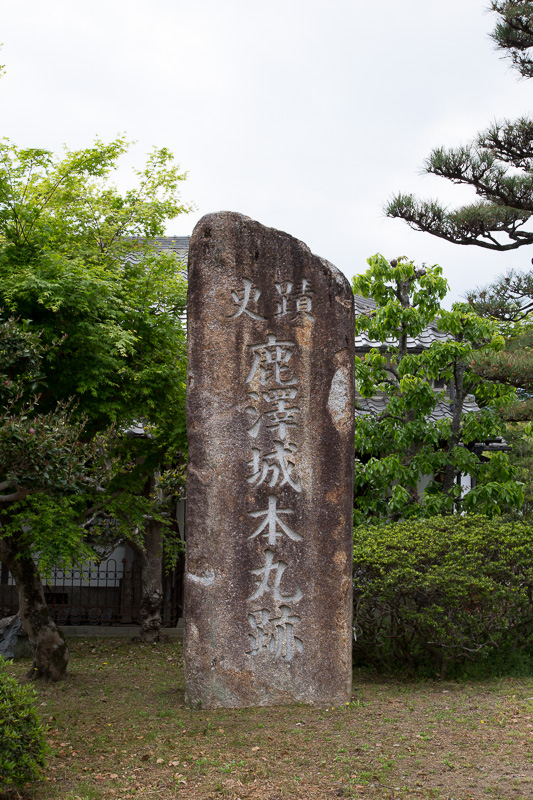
(278, 567)
(275, 634)
(271, 522)
(272, 358)
(249, 294)
(276, 464)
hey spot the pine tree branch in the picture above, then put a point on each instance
(514, 32)
(472, 225)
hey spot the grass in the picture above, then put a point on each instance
(118, 729)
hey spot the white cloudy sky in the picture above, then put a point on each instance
(304, 114)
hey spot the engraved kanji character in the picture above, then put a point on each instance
(272, 358)
(279, 463)
(284, 643)
(275, 634)
(283, 415)
(278, 567)
(272, 521)
(243, 299)
(283, 289)
(304, 299)
(260, 638)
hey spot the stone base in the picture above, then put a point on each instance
(14, 642)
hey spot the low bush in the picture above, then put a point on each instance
(432, 595)
(22, 736)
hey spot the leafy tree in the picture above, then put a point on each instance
(407, 441)
(508, 301)
(43, 468)
(498, 164)
(77, 261)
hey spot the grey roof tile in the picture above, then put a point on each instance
(365, 305)
(179, 245)
(377, 404)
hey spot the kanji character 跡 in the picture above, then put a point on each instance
(275, 634)
(304, 299)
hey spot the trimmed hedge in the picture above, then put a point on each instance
(22, 736)
(431, 595)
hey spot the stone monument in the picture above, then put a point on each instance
(270, 474)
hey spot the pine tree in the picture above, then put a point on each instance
(509, 302)
(498, 164)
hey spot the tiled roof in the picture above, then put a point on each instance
(431, 334)
(179, 245)
(377, 404)
(173, 244)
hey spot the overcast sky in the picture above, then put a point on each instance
(303, 114)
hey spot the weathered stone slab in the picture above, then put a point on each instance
(270, 475)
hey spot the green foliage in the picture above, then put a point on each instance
(497, 165)
(78, 264)
(513, 33)
(406, 442)
(433, 595)
(45, 465)
(512, 366)
(76, 260)
(48, 527)
(518, 437)
(508, 301)
(38, 451)
(22, 736)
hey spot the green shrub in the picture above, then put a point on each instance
(22, 736)
(432, 595)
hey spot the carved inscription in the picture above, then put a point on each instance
(249, 294)
(273, 384)
(267, 581)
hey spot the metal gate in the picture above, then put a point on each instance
(109, 594)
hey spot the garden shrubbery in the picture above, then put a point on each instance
(432, 595)
(22, 736)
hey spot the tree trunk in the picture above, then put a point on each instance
(50, 651)
(151, 583)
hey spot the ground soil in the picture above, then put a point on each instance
(118, 729)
